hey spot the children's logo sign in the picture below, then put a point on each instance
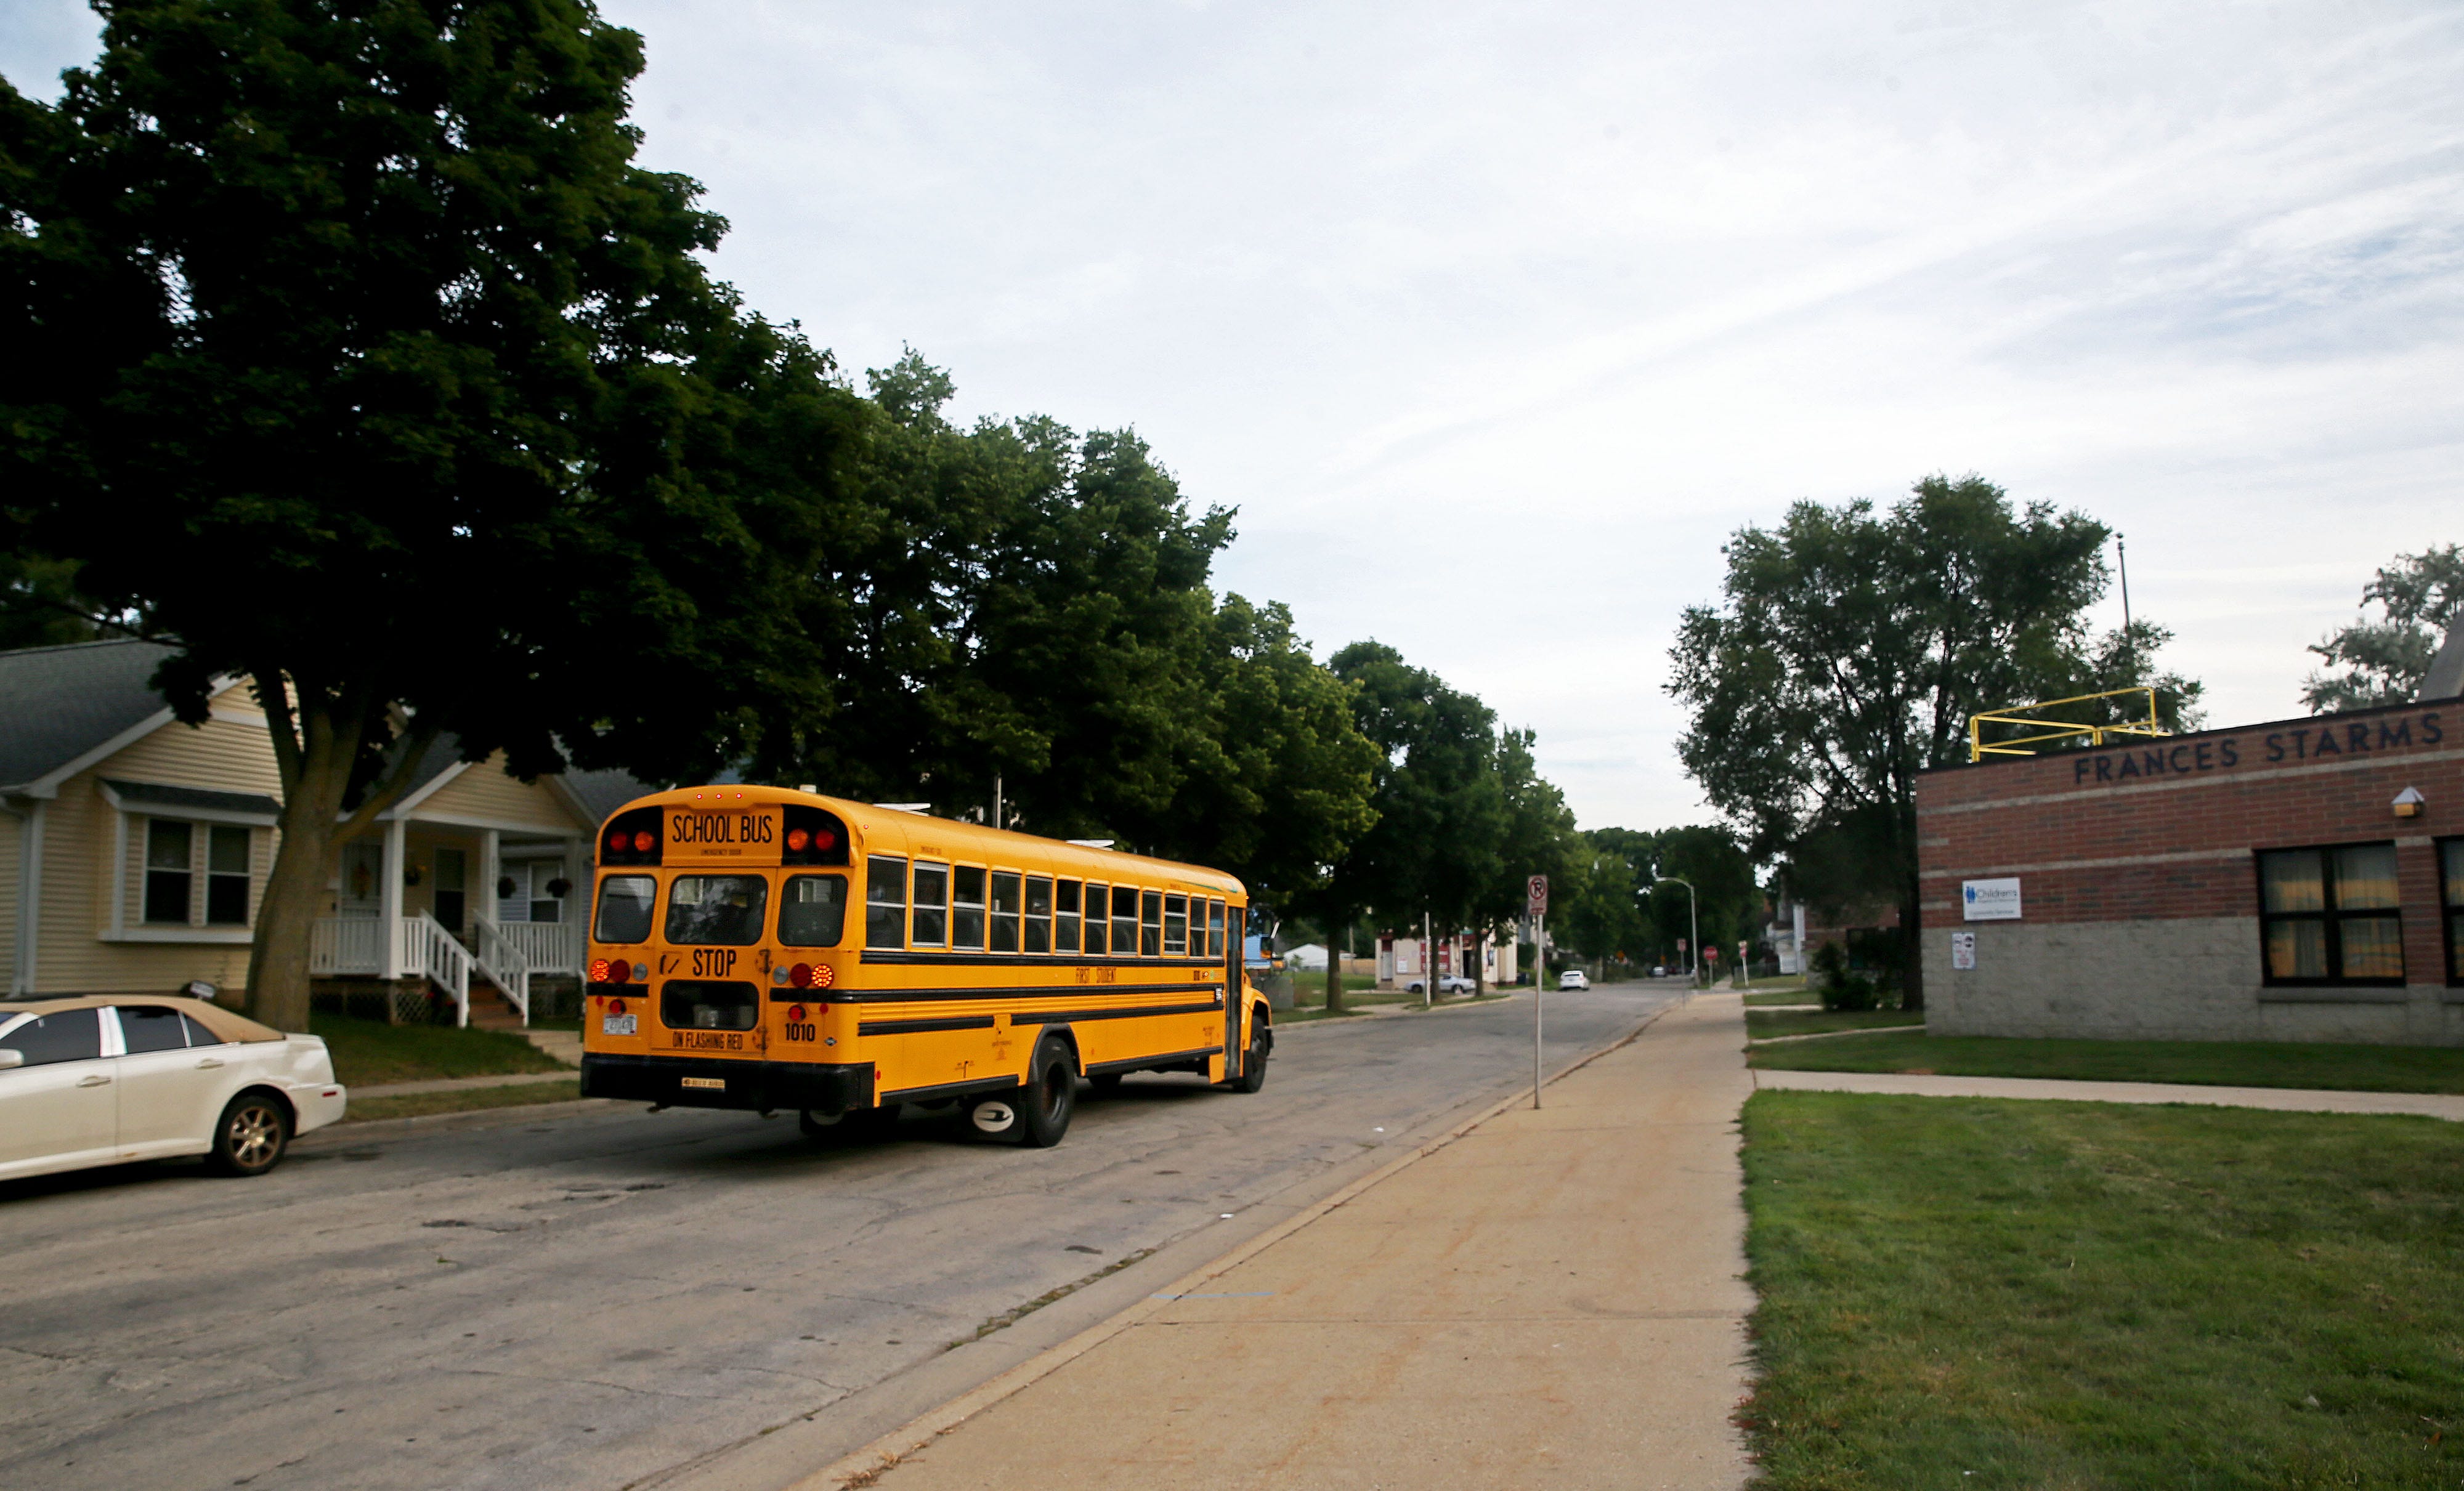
(1989, 900)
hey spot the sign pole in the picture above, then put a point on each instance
(1538, 904)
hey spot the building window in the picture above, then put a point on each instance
(225, 876)
(547, 905)
(2329, 916)
(168, 871)
(2451, 891)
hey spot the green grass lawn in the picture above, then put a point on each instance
(1962, 1295)
(1764, 1024)
(368, 1052)
(1782, 997)
(2229, 1063)
(420, 1105)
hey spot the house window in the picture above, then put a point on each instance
(169, 873)
(2330, 916)
(547, 905)
(2451, 891)
(225, 876)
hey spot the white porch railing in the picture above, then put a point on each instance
(423, 948)
(429, 952)
(500, 957)
(346, 945)
(548, 947)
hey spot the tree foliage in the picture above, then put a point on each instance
(409, 400)
(1851, 645)
(2419, 596)
(1013, 600)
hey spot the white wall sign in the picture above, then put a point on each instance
(1963, 950)
(1989, 900)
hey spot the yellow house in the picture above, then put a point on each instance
(134, 850)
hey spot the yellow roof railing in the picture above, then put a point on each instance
(2021, 717)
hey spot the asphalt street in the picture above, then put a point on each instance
(594, 1296)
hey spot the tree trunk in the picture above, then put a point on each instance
(1334, 976)
(1480, 963)
(316, 737)
(316, 774)
(1911, 950)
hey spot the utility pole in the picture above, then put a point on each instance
(1536, 902)
(1693, 927)
(1428, 963)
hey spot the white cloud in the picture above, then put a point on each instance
(1496, 320)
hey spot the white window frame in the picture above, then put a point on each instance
(128, 821)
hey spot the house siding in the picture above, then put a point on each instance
(13, 832)
(484, 794)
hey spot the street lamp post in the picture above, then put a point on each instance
(1693, 926)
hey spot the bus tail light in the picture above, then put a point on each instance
(615, 1006)
(822, 975)
(797, 840)
(800, 976)
(795, 1013)
(643, 840)
(602, 971)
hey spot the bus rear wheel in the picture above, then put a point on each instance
(1051, 1097)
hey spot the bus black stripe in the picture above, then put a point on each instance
(904, 1027)
(1134, 1012)
(1072, 991)
(894, 955)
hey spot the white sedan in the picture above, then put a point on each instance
(104, 1079)
(1574, 978)
(1447, 984)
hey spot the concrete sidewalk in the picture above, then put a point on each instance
(2290, 1100)
(1552, 1299)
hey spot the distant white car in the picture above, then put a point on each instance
(105, 1080)
(1574, 978)
(1447, 984)
(1659, 969)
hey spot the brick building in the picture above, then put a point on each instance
(2295, 880)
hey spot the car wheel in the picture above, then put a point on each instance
(251, 1136)
(1051, 1097)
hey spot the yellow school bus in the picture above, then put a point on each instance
(773, 950)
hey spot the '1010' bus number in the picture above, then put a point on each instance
(796, 1032)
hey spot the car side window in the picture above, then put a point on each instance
(63, 1036)
(198, 1034)
(150, 1027)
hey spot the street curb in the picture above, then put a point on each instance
(863, 1466)
(1754, 1044)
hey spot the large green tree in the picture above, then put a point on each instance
(2419, 596)
(1537, 838)
(1441, 812)
(351, 351)
(1851, 646)
(1020, 609)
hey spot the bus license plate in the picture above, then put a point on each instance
(616, 1024)
(713, 1084)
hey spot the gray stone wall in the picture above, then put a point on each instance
(2186, 978)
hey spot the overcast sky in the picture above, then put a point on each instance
(1495, 322)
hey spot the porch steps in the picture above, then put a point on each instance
(491, 1010)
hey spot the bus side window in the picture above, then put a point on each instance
(1214, 929)
(1097, 902)
(1125, 922)
(1065, 915)
(813, 912)
(885, 902)
(1005, 893)
(1175, 926)
(1151, 919)
(930, 916)
(967, 907)
(1039, 914)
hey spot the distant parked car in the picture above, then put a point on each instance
(1574, 978)
(1447, 984)
(1659, 969)
(103, 1080)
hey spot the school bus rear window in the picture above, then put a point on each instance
(719, 911)
(812, 910)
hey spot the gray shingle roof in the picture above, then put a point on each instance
(58, 703)
(150, 794)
